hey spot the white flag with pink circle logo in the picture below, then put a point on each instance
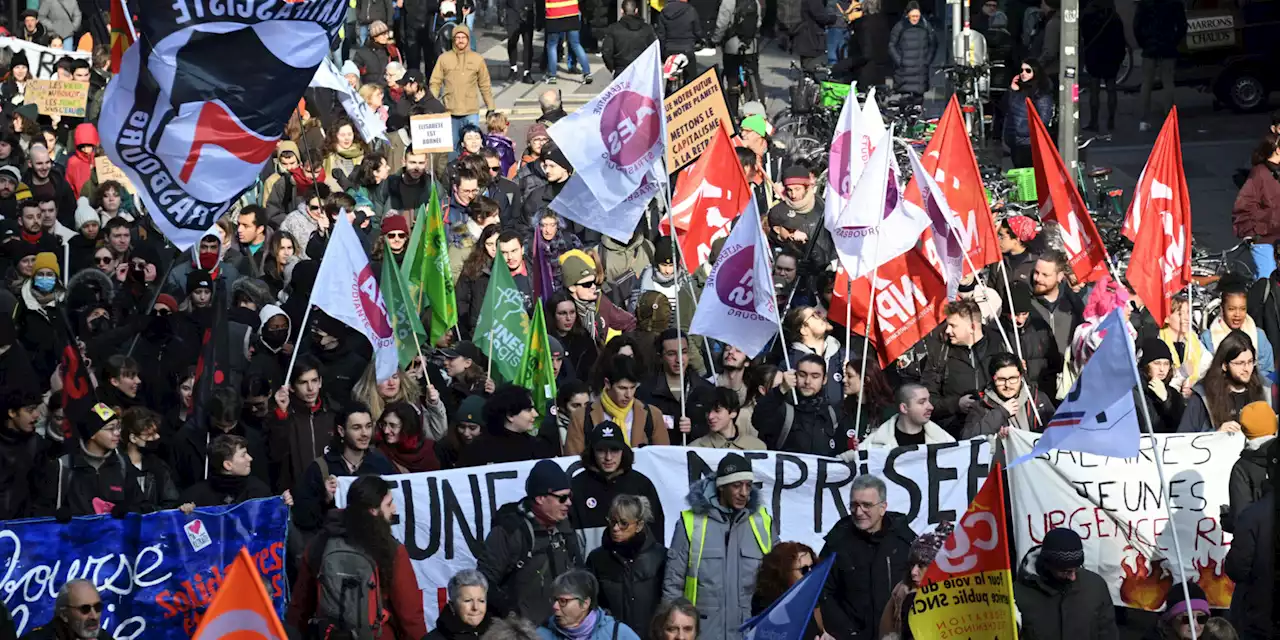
(347, 290)
(738, 304)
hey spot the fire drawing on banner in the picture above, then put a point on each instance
(1146, 583)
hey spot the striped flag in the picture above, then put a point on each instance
(1067, 419)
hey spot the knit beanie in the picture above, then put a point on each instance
(198, 279)
(653, 312)
(1257, 420)
(927, 544)
(545, 477)
(95, 420)
(395, 223)
(1062, 550)
(551, 151)
(733, 468)
(1153, 349)
(1176, 601)
(664, 251)
(536, 131)
(576, 266)
(85, 213)
(46, 260)
(167, 301)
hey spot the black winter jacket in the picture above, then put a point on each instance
(815, 427)
(1264, 308)
(1249, 564)
(679, 28)
(811, 36)
(630, 576)
(221, 489)
(1249, 480)
(593, 494)
(469, 293)
(952, 372)
(23, 458)
(369, 10)
(311, 500)
(912, 47)
(155, 483)
(296, 438)
(72, 482)
(1039, 350)
(866, 569)
(698, 397)
(1017, 122)
(624, 41)
(521, 558)
(496, 446)
(188, 455)
(1166, 414)
(1082, 610)
(1159, 27)
(450, 627)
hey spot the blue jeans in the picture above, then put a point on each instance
(458, 123)
(1264, 260)
(470, 21)
(363, 35)
(575, 52)
(837, 41)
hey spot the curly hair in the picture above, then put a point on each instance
(774, 576)
(479, 257)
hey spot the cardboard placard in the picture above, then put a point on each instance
(109, 171)
(693, 115)
(58, 97)
(431, 133)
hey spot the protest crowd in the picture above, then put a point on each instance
(365, 308)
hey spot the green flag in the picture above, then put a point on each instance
(537, 373)
(404, 320)
(429, 279)
(502, 326)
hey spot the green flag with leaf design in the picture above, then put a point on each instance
(406, 324)
(429, 279)
(502, 326)
(537, 372)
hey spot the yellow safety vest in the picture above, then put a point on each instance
(696, 527)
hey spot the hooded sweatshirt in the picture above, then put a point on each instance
(80, 164)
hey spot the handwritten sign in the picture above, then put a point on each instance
(431, 133)
(693, 115)
(58, 97)
(108, 171)
(41, 60)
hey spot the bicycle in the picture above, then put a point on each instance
(1207, 269)
(967, 81)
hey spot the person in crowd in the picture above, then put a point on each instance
(1062, 599)
(675, 619)
(140, 435)
(664, 276)
(797, 416)
(1165, 402)
(1102, 33)
(1249, 479)
(1029, 83)
(1010, 401)
(530, 543)
(955, 371)
(1256, 211)
(556, 172)
(230, 480)
(1034, 340)
(22, 450)
(297, 200)
(894, 622)
(563, 325)
(464, 76)
(92, 476)
(854, 597)
(608, 471)
(1054, 301)
(623, 42)
(782, 567)
(796, 223)
(576, 614)
(679, 31)
(364, 527)
(473, 282)
(1159, 28)
(344, 151)
(465, 364)
(301, 424)
(912, 46)
(720, 569)
(722, 424)
(809, 332)
(1231, 383)
(639, 422)
(77, 613)
(684, 411)
(912, 424)
(631, 561)
(1235, 317)
(349, 454)
(466, 615)
(564, 22)
(871, 391)
(1250, 566)
(509, 417)
(402, 440)
(408, 387)
(465, 426)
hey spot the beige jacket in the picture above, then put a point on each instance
(465, 79)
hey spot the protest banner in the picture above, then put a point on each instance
(156, 573)
(1115, 505)
(108, 171)
(431, 133)
(446, 515)
(58, 97)
(693, 114)
(40, 59)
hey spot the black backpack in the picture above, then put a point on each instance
(746, 21)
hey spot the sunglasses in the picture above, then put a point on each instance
(84, 609)
(395, 235)
(563, 499)
(1200, 618)
(313, 207)
(495, 169)
(805, 569)
(163, 312)
(1027, 70)
(590, 284)
(103, 260)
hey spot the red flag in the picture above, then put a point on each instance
(949, 158)
(910, 298)
(709, 195)
(241, 607)
(121, 36)
(1060, 202)
(1161, 219)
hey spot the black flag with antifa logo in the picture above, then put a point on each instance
(215, 353)
(79, 393)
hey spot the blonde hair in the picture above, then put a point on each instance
(1218, 629)
(366, 390)
(497, 122)
(367, 90)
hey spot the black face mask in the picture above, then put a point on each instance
(275, 338)
(153, 447)
(98, 325)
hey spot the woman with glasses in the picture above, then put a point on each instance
(1028, 83)
(400, 438)
(630, 563)
(1231, 383)
(782, 567)
(308, 218)
(405, 386)
(577, 613)
(1008, 402)
(105, 261)
(893, 622)
(1180, 615)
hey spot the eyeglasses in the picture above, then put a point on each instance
(84, 609)
(1008, 381)
(564, 601)
(589, 284)
(1243, 363)
(395, 235)
(865, 506)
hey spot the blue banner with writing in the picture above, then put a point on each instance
(156, 572)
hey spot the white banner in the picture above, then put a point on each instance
(1115, 505)
(445, 515)
(41, 60)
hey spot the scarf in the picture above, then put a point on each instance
(587, 314)
(1192, 361)
(803, 205)
(1219, 330)
(303, 181)
(617, 414)
(584, 628)
(353, 153)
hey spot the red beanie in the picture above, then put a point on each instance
(166, 300)
(395, 223)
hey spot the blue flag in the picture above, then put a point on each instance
(788, 616)
(1098, 416)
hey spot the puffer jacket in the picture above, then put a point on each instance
(1249, 480)
(521, 558)
(630, 576)
(912, 47)
(624, 41)
(679, 28)
(60, 17)
(811, 34)
(464, 78)
(867, 567)
(606, 628)
(1159, 27)
(1079, 610)
(1017, 122)
(731, 556)
(1256, 211)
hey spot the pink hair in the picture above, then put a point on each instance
(1107, 296)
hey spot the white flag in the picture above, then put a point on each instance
(862, 248)
(347, 290)
(846, 160)
(613, 141)
(578, 203)
(371, 126)
(738, 305)
(948, 237)
(872, 123)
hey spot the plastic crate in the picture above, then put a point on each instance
(1024, 182)
(834, 94)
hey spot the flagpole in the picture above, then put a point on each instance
(848, 318)
(1159, 458)
(416, 343)
(786, 357)
(680, 337)
(128, 19)
(982, 283)
(866, 342)
(1008, 295)
(297, 344)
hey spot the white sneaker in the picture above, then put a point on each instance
(705, 53)
(1144, 126)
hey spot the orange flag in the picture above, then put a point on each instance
(121, 36)
(1159, 224)
(241, 607)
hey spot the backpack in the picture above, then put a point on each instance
(444, 36)
(746, 22)
(789, 413)
(349, 595)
